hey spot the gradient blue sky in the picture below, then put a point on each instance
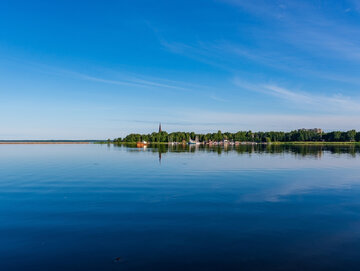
(102, 69)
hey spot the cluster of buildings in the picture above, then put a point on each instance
(224, 142)
(231, 143)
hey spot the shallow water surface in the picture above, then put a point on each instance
(100, 207)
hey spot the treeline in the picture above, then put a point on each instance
(248, 136)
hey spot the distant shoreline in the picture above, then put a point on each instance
(45, 142)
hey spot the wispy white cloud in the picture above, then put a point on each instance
(202, 120)
(306, 38)
(230, 56)
(307, 100)
(217, 98)
(354, 5)
(130, 81)
(267, 121)
(113, 77)
(274, 9)
(325, 103)
(306, 25)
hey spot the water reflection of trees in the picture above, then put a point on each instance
(314, 151)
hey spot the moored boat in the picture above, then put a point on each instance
(194, 142)
(141, 144)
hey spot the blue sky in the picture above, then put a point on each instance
(91, 69)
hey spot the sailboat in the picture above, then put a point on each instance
(194, 142)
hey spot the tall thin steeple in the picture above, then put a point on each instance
(160, 127)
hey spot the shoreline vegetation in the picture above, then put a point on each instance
(301, 136)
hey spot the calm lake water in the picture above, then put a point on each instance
(79, 207)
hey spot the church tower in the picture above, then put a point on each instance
(159, 127)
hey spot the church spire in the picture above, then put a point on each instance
(160, 127)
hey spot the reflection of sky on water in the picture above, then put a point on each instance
(286, 172)
(248, 208)
(275, 174)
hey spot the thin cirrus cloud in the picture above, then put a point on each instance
(122, 79)
(305, 25)
(228, 56)
(111, 77)
(204, 121)
(266, 122)
(306, 39)
(334, 103)
(132, 82)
